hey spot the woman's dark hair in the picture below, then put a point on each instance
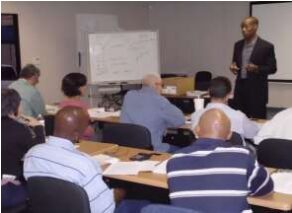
(72, 82)
(220, 87)
(10, 101)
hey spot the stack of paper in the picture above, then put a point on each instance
(196, 93)
(130, 168)
(105, 159)
(282, 182)
(97, 113)
(160, 168)
(52, 109)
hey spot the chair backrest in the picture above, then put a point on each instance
(179, 137)
(124, 134)
(51, 195)
(236, 139)
(8, 73)
(202, 80)
(186, 105)
(171, 75)
(49, 124)
(276, 153)
(160, 208)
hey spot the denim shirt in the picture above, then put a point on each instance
(147, 108)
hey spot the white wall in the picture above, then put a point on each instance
(48, 31)
(200, 36)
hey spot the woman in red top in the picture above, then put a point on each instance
(73, 87)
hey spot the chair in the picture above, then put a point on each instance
(130, 135)
(8, 73)
(186, 105)
(49, 124)
(13, 198)
(236, 139)
(202, 80)
(51, 195)
(172, 75)
(179, 137)
(160, 208)
(21, 208)
(275, 153)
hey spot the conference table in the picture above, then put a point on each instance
(187, 125)
(115, 118)
(273, 200)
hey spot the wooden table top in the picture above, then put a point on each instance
(116, 119)
(274, 200)
(94, 148)
(111, 119)
(124, 153)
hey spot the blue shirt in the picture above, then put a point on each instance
(32, 103)
(147, 108)
(212, 176)
(58, 158)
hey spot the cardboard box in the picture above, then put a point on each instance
(182, 84)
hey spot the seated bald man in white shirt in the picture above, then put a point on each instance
(220, 91)
(278, 127)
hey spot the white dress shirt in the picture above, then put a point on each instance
(239, 122)
(58, 158)
(278, 127)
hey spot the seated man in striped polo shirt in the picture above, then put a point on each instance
(212, 176)
(58, 158)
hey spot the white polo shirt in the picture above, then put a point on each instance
(240, 123)
(278, 127)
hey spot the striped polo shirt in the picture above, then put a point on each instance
(58, 158)
(212, 176)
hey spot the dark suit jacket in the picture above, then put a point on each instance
(263, 55)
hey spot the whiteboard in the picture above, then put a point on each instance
(122, 56)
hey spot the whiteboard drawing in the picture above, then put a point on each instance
(125, 56)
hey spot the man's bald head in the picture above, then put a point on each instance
(253, 20)
(70, 123)
(249, 27)
(214, 124)
(154, 81)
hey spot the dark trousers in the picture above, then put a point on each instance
(12, 195)
(128, 206)
(249, 100)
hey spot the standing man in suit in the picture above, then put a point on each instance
(253, 60)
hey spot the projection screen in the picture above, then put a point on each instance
(275, 26)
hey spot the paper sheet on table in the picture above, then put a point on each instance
(188, 122)
(105, 159)
(52, 108)
(196, 93)
(130, 168)
(96, 113)
(283, 182)
(160, 168)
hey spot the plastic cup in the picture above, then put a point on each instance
(199, 103)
